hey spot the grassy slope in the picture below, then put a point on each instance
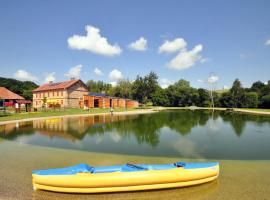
(57, 113)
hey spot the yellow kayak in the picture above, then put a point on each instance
(83, 178)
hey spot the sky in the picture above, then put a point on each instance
(200, 41)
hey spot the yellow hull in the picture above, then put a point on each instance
(125, 181)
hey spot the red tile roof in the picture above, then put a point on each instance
(7, 94)
(56, 86)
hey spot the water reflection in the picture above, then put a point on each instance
(170, 133)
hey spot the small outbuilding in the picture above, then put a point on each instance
(11, 99)
(101, 100)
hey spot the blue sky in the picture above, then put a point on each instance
(228, 39)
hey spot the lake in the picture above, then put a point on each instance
(240, 142)
(183, 133)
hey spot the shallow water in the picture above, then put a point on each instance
(161, 137)
(237, 180)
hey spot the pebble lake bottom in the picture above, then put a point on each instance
(237, 180)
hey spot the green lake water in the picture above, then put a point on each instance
(240, 142)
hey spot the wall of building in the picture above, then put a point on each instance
(131, 103)
(75, 95)
(70, 98)
(56, 95)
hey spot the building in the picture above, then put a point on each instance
(9, 99)
(100, 100)
(63, 94)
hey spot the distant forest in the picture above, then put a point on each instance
(147, 91)
(23, 88)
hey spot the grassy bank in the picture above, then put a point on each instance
(62, 112)
(70, 111)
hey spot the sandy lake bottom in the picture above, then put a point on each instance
(237, 180)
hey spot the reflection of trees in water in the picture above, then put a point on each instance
(238, 120)
(146, 128)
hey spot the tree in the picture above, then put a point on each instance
(250, 100)
(98, 86)
(266, 101)
(237, 93)
(204, 100)
(122, 89)
(159, 98)
(143, 88)
(23, 88)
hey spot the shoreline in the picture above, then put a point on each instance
(235, 110)
(139, 111)
(132, 112)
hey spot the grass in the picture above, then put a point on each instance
(49, 113)
(256, 109)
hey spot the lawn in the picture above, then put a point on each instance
(57, 112)
(255, 109)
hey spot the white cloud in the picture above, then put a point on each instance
(267, 43)
(98, 72)
(139, 45)
(49, 77)
(94, 43)
(186, 59)
(115, 75)
(74, 72)
(25, 76)
(172, 46)
(164, 83)
(212, 79)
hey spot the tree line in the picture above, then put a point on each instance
(146, 90)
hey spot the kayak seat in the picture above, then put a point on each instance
(179, 164)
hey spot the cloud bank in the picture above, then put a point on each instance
(98, 72)
(74, 72)
(49, 77)
(24, 76)
(94, 43)
(173, 46)
(116, 75)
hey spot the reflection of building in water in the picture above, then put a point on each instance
(14, 127)
(72, 128)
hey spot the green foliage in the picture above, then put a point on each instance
(266, 101)
(144, 88)
(98, 86)
(122, 89)
(23, 88)
(181, 94)
(160, 98)
(250, 100)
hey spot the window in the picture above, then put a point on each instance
(57, 93)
